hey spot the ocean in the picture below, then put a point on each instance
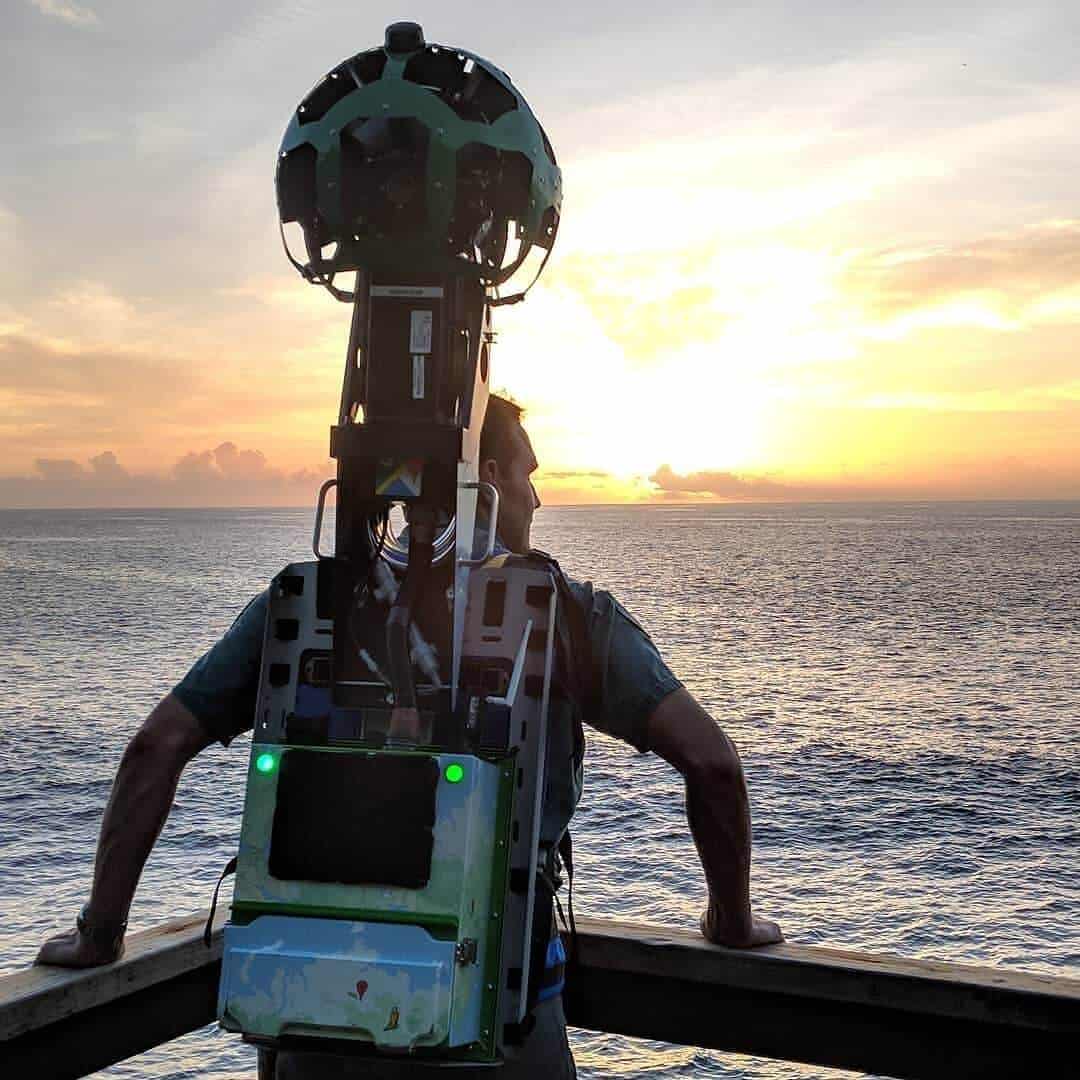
(902, 682)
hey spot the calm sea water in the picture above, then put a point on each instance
(903, 682)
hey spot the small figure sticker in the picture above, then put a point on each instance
(399, 479)
(392, 1023)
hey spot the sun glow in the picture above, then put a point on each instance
(628, 362)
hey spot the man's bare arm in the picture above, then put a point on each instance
(141, 798)
(718, 810)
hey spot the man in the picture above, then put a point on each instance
(639, 701)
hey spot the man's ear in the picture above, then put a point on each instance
(489, 471)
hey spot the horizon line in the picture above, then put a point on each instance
(646, 505)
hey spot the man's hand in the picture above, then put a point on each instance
(757, 932)
(74, 949)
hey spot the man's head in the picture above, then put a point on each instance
(507, 461)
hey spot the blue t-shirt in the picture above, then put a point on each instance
(222, 687)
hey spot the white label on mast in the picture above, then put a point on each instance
(420, 326)
(408, 291)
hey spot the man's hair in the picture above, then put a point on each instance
(498, 438)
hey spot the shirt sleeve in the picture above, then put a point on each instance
(631, 675)
(222, 687)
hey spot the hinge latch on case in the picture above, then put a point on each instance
(465, 951)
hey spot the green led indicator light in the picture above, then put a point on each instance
(455, 773)
(265, 763)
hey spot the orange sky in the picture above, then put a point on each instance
(802, 271)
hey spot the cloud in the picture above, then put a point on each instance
(66, 11)
(227, 464)
(588, 487)
(104, 474)
(1008, 478)
(998, 281)
(573, 474)
(105, 465)
(648, 310)
(1043, 398)
(724, 485)
(90, 311)
(60, 470)
(61, 399)
(224, 476)
(34, 366)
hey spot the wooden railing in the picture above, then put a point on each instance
(882, 1014)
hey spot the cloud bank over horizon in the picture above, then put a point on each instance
(228, 476)
(223, 476)
(1007, 479)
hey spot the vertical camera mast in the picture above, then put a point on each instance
(386, 892)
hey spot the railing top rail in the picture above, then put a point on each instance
(888, 1014)
(39, 996)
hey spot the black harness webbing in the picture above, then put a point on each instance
(580, 671)
(572, 987)
(230, 868)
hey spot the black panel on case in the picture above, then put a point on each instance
(496, 681)
(354, 818)
(314, 668)
(480, 674)
(279, 674)
(325, 577)
(287, 629)
(291, 584)
(494, 603)
(494, 727)
(308, 730)
(537, 595)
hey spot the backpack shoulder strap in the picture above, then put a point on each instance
(574, 629)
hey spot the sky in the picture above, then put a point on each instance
(807, 252)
